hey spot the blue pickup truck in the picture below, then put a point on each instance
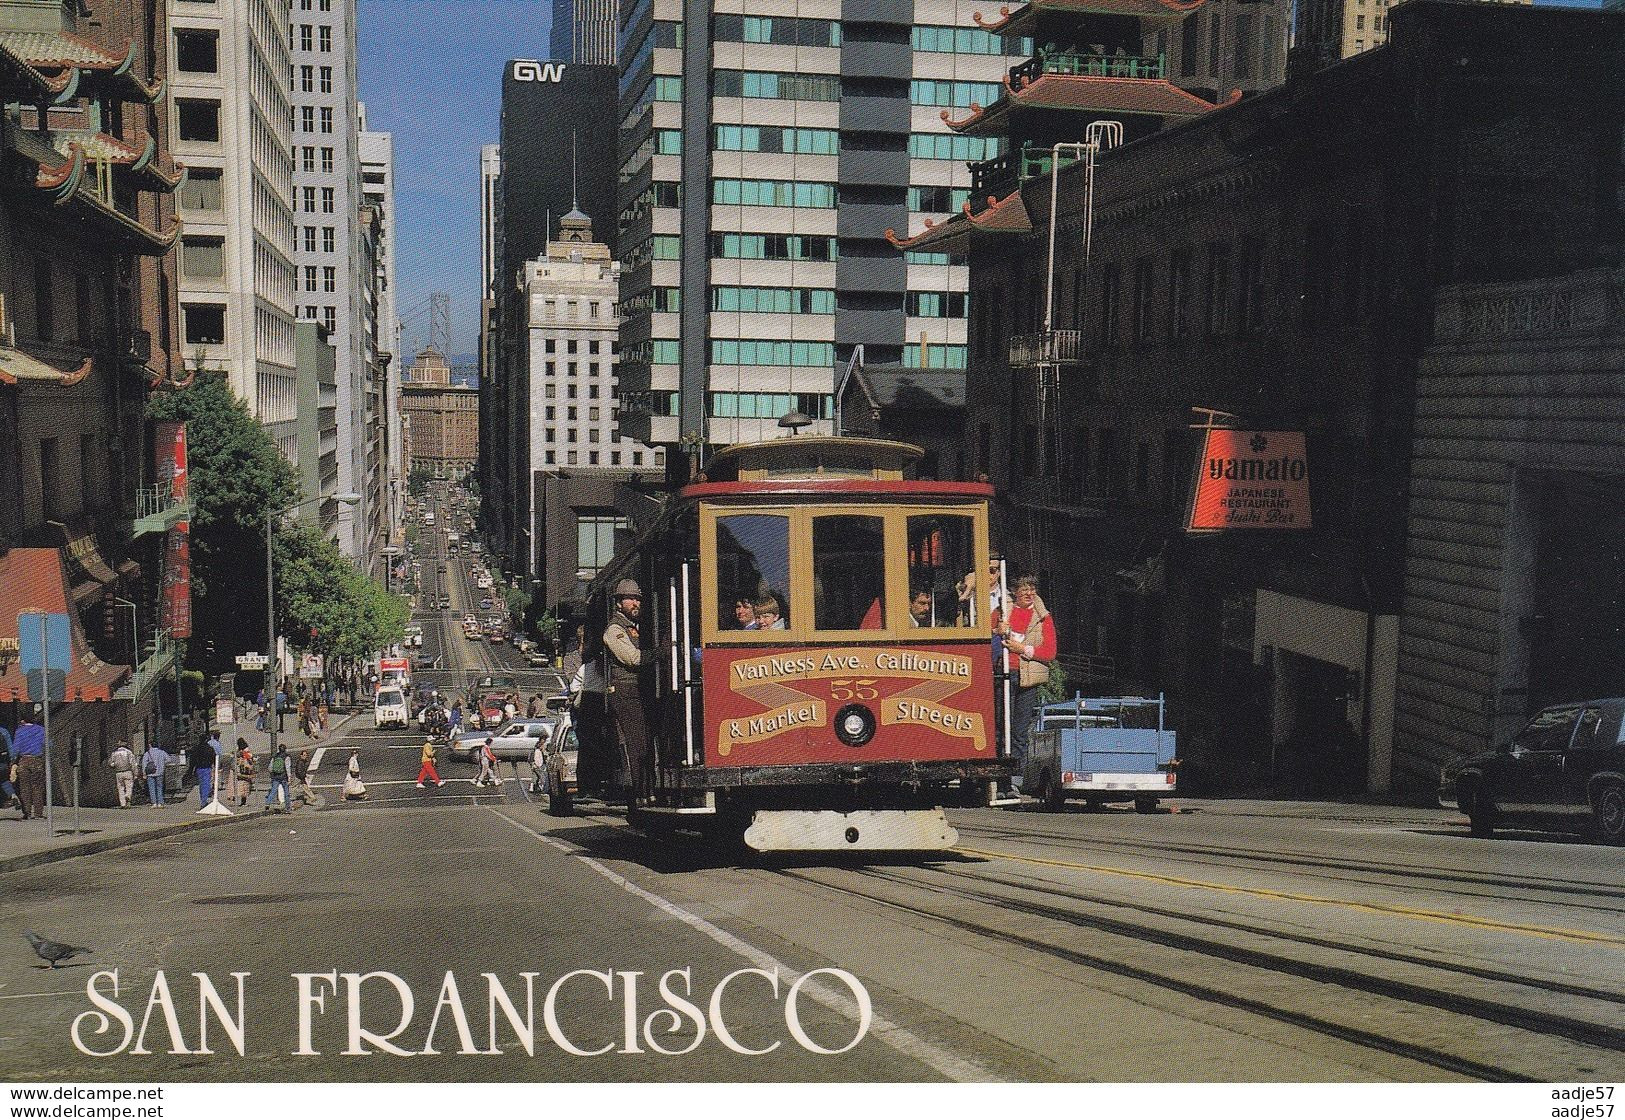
(1101, 750)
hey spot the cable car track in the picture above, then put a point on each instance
(1547, 1024)
(1230, 857)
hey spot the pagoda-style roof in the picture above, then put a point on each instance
(18, 77)
(17, 365)
(1154, 97)
(68, 61)
(1154, 14)
(61, 176)
(138, 154)
(1000, 215)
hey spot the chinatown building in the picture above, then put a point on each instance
(87, 314)
(1271, 267)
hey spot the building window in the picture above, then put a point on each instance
(44, 300)
(328, 239)
(308, 160)
(1142, 300)
(307, 37)
(307, 79)
(330, 279)
(197, 52)
(307, 118)
(198, 120)
(201, 190)
(1218, 288)
(595, 540)
(326, 39)
(327, 119)
(310, 284)
(205, 323)
(327, 199)
(330, 318)
(327, 161)
(203, 257)
(1179, 293)
(327, 79)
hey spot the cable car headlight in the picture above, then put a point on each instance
(854, 725)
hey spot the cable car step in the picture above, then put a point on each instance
(825, 830)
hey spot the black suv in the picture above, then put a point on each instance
(1565, 770)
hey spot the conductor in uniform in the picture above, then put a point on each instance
(628, 662)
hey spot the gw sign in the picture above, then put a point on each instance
(530, 70)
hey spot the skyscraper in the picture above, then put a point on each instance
(745, 287)
(331, 285)
(378, 192)
(231, 129)
(583, 31)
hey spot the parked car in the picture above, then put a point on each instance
(562, 786)
(1564, 771)
(537, 659)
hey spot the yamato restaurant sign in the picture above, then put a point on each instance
(1250, 480)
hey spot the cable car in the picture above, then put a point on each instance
(823, 676)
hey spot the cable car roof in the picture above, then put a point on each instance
(813, 456)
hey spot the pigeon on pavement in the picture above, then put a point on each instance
(53, 951)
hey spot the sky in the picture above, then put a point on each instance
(431, 74)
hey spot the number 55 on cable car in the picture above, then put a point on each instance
(825, 676)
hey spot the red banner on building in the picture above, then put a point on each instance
(1250, 480)
(170, 453)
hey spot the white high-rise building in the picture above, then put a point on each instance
(231, 131)
(574, 322)
(378, 192)
(331, 285)
(490, 172)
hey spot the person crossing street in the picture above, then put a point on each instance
(427, 772)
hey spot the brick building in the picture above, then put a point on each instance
(442, 419)
(87, 330)
(1278, 260)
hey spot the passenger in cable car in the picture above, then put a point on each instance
(919, 607)
(745, 612)
(769, 616)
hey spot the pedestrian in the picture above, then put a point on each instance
(532, 707)
(245, 772)
(122, 763)
(454, 721)
(628, 665)
(510, 708)
(1029, 644)
(427, 772)
(281, 709)
(153, 764)
(538, 763)
(8, 792)
(278, 768)
(350, 688)
(353, 789)
(202, 760)
(301, 771)
(488, 765)
(323, 708)
(589, 700)
(259, 716)
(28, 749)
(227, 793)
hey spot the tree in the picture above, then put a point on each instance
(325, 604)
(236, 477)
(417, 481)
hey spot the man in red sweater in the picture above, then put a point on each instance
(1029, 644)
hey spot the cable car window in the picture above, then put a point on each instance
(941, 570)
(753, 572)
(849, 572)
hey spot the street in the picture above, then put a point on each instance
(1228, 941)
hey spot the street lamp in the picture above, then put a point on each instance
(347, 499)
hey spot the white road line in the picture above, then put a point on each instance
(899, 1038)
(40, 995)
(316, 759)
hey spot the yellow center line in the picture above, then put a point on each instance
(1581, 936)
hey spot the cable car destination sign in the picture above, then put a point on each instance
(1250, 480)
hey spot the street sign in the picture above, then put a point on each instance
(310, 666)
(44, 654)
(252, 660)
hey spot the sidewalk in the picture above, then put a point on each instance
(25, 844)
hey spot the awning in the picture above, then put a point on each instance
(17, 366)
(36, 579)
